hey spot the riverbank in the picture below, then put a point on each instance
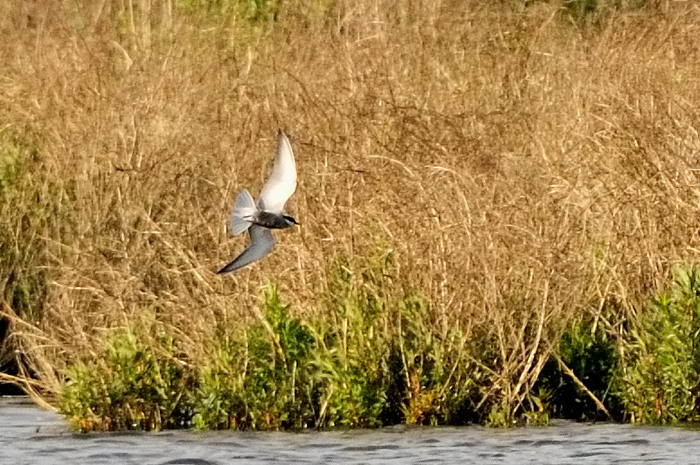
(499, 214)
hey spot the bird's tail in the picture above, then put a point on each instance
(243, 212)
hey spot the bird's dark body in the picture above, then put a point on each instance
(273, 220)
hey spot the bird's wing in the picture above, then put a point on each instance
(261, 242)
(283, 179)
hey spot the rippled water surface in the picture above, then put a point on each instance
(30, 435)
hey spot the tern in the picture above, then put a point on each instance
(267, 214)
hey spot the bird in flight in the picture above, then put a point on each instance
(267, 214)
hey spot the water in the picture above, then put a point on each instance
(30, 435)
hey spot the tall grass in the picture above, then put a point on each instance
(524, 171)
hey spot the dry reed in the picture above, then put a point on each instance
(524, 168)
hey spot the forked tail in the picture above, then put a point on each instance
(243, 212)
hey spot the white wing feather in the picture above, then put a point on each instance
(283, 179)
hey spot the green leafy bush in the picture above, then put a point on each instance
(662, 377)
(130, 385)
(259, 377)
(591, 355)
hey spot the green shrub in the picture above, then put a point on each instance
(260, 377)
(371, 360)
(130, 385)
(660, 383)
(353, 364)
(384, 360)
(591, 354)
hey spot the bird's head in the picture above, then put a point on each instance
(291, 221)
